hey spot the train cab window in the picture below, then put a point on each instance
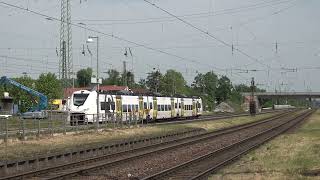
(79, 99)
(175, 105)
(129, 108)
(169, 107)
(145, 105)
(124, 108)
(150, 106)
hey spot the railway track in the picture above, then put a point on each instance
(212, 117)
(201, 167)
(83, 167)
(12, 133)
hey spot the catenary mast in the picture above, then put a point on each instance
(65, 55)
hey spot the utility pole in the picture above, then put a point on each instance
(124, 78)
(65, 62)
(252, 103)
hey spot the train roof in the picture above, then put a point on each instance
(130, 93)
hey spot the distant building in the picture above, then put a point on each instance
(6, 104)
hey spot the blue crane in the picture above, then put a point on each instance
(43, 103)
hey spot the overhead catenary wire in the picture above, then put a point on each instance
(208, 34)
(194, 15)
(180, 58)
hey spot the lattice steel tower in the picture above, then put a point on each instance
(65, 62)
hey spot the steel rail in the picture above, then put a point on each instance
(192, 164)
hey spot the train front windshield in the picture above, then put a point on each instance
(79, 99)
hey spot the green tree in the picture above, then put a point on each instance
(113, 78)
(173, 83)
(142, 83)
(128, 79)
(49, 85)
(224, 89)
(84, 77)
(204, 85)
(153, 81)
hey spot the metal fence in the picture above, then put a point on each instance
(62, 122)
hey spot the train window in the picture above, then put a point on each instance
(129, 108)
(145, 105)
(185, 107)
(199, 105)
(175, 105)
(124, 108)
(165, 107)
(180, 105)
(159, 108)
(169, 107)
(162, 107)
(105, 106)
(113, 107)
(150, 106)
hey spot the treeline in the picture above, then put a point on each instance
(211, 88)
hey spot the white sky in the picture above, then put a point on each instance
(256, 26)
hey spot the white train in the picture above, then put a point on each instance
(83, 107)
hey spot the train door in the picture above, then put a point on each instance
(198, 107)
(182, 107)
(155, 108)
(118, 108)
(141, 108)
(173, 112)
(194, 107)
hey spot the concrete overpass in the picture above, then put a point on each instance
(293, 95)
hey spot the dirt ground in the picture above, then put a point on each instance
(288, 156)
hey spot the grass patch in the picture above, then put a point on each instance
(285, 157)
(24, 149)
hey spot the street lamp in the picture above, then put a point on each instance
(97, 81)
